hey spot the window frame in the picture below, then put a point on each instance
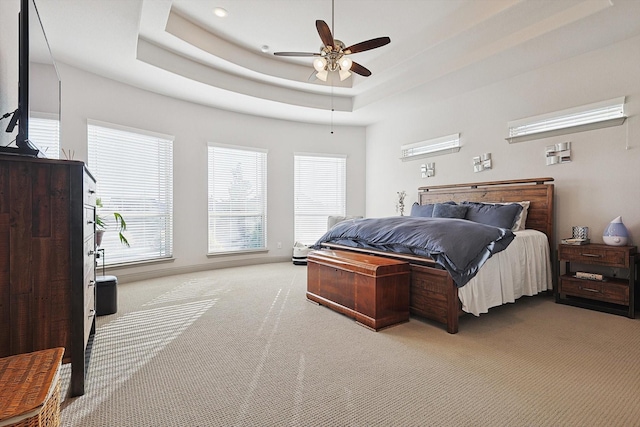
(262, 172)
(134, 213)
(342, 193)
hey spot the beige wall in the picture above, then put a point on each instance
(601, 182)
(88, 96)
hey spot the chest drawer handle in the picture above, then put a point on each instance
(582, 288)
(91, 283)
(92, 191)
(92, 312)
(91, 252)
(592, 255)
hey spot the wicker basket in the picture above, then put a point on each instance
(30, 389)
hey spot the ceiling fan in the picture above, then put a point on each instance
(333, 54)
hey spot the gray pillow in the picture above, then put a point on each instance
(503, 216)
(446, 210)
(421, 210)
(425, 210)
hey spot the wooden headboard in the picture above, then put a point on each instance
(540, 215)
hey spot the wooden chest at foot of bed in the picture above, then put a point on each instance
(372, 290)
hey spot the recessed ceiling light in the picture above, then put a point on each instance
(218, 11)
(264, 48)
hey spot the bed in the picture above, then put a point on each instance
(523, 268)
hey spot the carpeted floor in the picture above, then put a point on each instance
(242, 346)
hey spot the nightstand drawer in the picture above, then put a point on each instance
(613, 292)
(589, 254)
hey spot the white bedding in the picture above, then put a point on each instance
(524, 268)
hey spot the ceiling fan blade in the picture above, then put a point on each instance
(325, 33)
(295, 54)
(367, 45)
(359, 69)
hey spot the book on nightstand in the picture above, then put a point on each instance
(575, 241)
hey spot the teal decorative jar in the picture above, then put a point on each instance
(616, 234)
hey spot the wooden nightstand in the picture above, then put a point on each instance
(613, 294)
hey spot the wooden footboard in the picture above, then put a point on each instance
(434, 295)
(432, 292)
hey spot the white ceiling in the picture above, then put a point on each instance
(438, 48)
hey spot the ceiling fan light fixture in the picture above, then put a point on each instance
(322, 75)
(345, 63)
(319, 64)
(344, 74)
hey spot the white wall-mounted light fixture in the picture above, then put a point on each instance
(428, 170)
(585, 117)
(482, 162)
(558, 153)
(432, 147)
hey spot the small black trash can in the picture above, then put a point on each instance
(106, 295)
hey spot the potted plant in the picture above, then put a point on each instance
(101, 226)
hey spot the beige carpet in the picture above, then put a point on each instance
(243, 347)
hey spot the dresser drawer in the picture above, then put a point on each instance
(608, 291)
(589, 254)
(89, 301)
(89, 255)
(89, 190)
(89, 221)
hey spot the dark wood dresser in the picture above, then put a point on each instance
(47, 259)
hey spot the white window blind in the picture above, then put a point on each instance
(320, 191)
(44, 132)
(585, 117)
(134, 174)
(237, 199)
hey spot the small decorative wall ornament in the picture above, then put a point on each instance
(400, 205)
(558, 153)
(615, 234)
(428, 169)
(482, 162)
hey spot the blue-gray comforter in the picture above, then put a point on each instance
(460, 246)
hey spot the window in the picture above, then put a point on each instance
(577, 119)
(432, 147)
(237, 199)
(133, 169)
(320, 191)
(44, 132)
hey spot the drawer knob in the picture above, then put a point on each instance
(92, 191)
(91, 252)
(92, 282)
(92, 312)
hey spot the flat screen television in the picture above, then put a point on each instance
(38, 80)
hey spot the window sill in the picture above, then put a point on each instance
(232, 253)
(136, 263)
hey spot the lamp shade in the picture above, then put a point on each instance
(322, 75)
(345, 63)
(319, 64)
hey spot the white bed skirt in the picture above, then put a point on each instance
(524, 268)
